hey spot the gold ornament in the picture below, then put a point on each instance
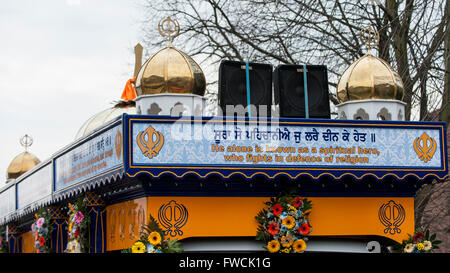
(369, 77)
(170, 70)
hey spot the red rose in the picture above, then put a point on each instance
(41, 241)
(304, 229)
(297, 202)
(418, 237)
(277, 209)
(273, 228)
(77, 232)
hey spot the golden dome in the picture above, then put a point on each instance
(104, 116)
(170, 70)
(369, 77)
(21, 164)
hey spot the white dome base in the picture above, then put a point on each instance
(372, 110)
(171, 104)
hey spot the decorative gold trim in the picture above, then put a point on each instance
(289, 122)
(56, 213)
(92, 199)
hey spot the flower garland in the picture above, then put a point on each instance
(284, 225)
(77, 229)
(43, 232)
(420, 242)
(152, 241)
(3, 242)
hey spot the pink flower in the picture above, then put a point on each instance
(33, 227)
(1, 240)
(40, 222)
(79, 217)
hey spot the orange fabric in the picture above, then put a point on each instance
(128, 92)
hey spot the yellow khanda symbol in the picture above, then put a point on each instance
(150, 142)
(425, 146)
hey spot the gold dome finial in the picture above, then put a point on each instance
(170, 70)
(370, 37)
(369, 77)
(26, 141)
(169, 29)
(24, 161)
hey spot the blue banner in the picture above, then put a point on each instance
(291, 147)
(90, 159)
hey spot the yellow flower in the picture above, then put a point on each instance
(286, 241)
(420, 246)
(289, 222)
(154, 238)
(70, 227)
(273, 246)
(286, 250)
(299, 246)
(292, 208)
(138, 247)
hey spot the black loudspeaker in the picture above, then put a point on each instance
(233, 88)
(290, 94)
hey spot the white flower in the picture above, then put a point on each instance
(150, 248)
(408, 248)
(427, 245)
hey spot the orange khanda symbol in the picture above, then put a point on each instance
(425, 146)
(150, 142)
(118, 144)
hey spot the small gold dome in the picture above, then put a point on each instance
(370, 78)
(170, 71)
(104, 116)
(21, 164)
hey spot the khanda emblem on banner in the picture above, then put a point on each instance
(150, 142)
(391, 215)
(173, 217)
(118, 144)
(425, 147)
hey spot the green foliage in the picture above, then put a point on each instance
(83, 226)
(45, 231)
(165, 246)
(152, 225)
(420, 237)
(271, 226)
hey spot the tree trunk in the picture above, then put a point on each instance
(445, 106)
(423, 96)
(400, 41)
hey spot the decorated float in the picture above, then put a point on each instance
(154, 173)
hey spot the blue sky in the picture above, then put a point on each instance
(60, 63)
